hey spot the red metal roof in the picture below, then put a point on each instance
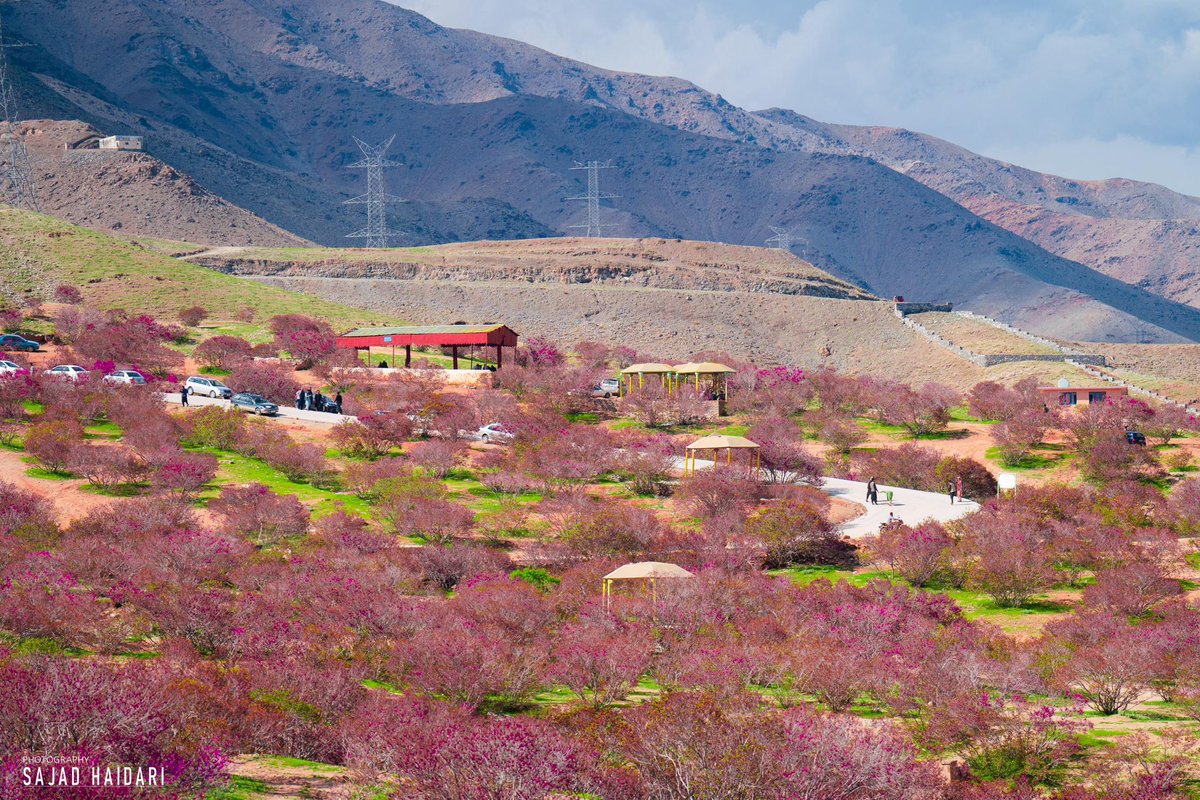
(429, 335)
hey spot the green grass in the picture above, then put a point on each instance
(234, 468)
(288, 761)
(37, 251)
(1045, 459)
(239, 788)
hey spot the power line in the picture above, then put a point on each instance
(376, 199)
(593, 197)
(16, 171)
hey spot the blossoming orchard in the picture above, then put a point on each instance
(409, 598)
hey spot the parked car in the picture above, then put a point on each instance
(11, 341)
(495, 432)
(208, 387)
(72, 372)
(129, 377)
(607, 388)
(254, 403)
(1135, 437)
(11, 368)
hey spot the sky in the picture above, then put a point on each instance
(1082, 88)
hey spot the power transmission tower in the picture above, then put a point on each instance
(784, 239)
(376, 199)
(17, 187)
(593, 197)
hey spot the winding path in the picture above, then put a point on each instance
(908, 505)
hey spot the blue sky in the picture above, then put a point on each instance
(1082, 88)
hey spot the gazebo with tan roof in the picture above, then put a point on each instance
(718, 372)
(718, 442)
(663, 371)
(651, 571)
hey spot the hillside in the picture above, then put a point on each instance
(134, 194)
(258, 101)
(38, 252)
(668, 299)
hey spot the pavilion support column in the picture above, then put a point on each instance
(454, 355)
(407, 356)
(499, 356)
(393, 361)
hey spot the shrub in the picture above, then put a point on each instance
(305, 339)
(417, 505)
(214, 426)
(246, 314)
(910, 466)
(1008, 557)
(265, 378)
(919, 555)
(50, 443)
(25, 515)
(977, 482)
(781, 450)
(222, 352)
(1019, 434)
(184, 474)
(795, 532)
(66, 293)
(716, 492)
(105, 466)
(922, 411)
(437, 457)
(259, 514)
(193, 316)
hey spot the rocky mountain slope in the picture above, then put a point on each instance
(134, 194)
(258, 98)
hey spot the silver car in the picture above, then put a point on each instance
(208, 387)
(129, 377)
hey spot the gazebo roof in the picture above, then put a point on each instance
(719, 441)
(647, 369)
(703, 368)
(647, 569)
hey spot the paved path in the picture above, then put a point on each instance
(908, 505)
(286, 412)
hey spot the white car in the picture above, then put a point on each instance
(72, 372)
(208, 387)
(10, 368)
(495, 432)
(128, 377)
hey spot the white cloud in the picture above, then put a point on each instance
(1114, 81)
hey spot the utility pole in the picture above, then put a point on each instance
(376, 199)
(17, 187)
(593, 197)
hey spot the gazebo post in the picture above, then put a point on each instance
(393, 361)
(454, 356)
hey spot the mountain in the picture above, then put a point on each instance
(133, 193)
(257, 100)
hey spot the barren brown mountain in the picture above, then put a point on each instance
(133, 193)
(257, 100)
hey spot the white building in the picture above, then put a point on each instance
(121, 143)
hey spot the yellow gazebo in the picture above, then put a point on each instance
(663, 371)
(708, 368)
(650, 571)
(718, 442)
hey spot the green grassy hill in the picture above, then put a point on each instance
(39, 252)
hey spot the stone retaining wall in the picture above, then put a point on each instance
(991, 359)
(1132, 387)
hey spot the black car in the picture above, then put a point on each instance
(11, 341)
(254, 403)
(1134, 437)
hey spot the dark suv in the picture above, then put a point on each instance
(11, 341)
(254, 403)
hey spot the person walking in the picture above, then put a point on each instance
(953, 490)
(872, 492)
(308, 398)
(337, 402)
(958, 486)
(183, 395)
(299, 399)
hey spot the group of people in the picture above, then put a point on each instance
(307, 400)
(954, 488)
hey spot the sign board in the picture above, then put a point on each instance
(1006, 481)
(387, 339)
